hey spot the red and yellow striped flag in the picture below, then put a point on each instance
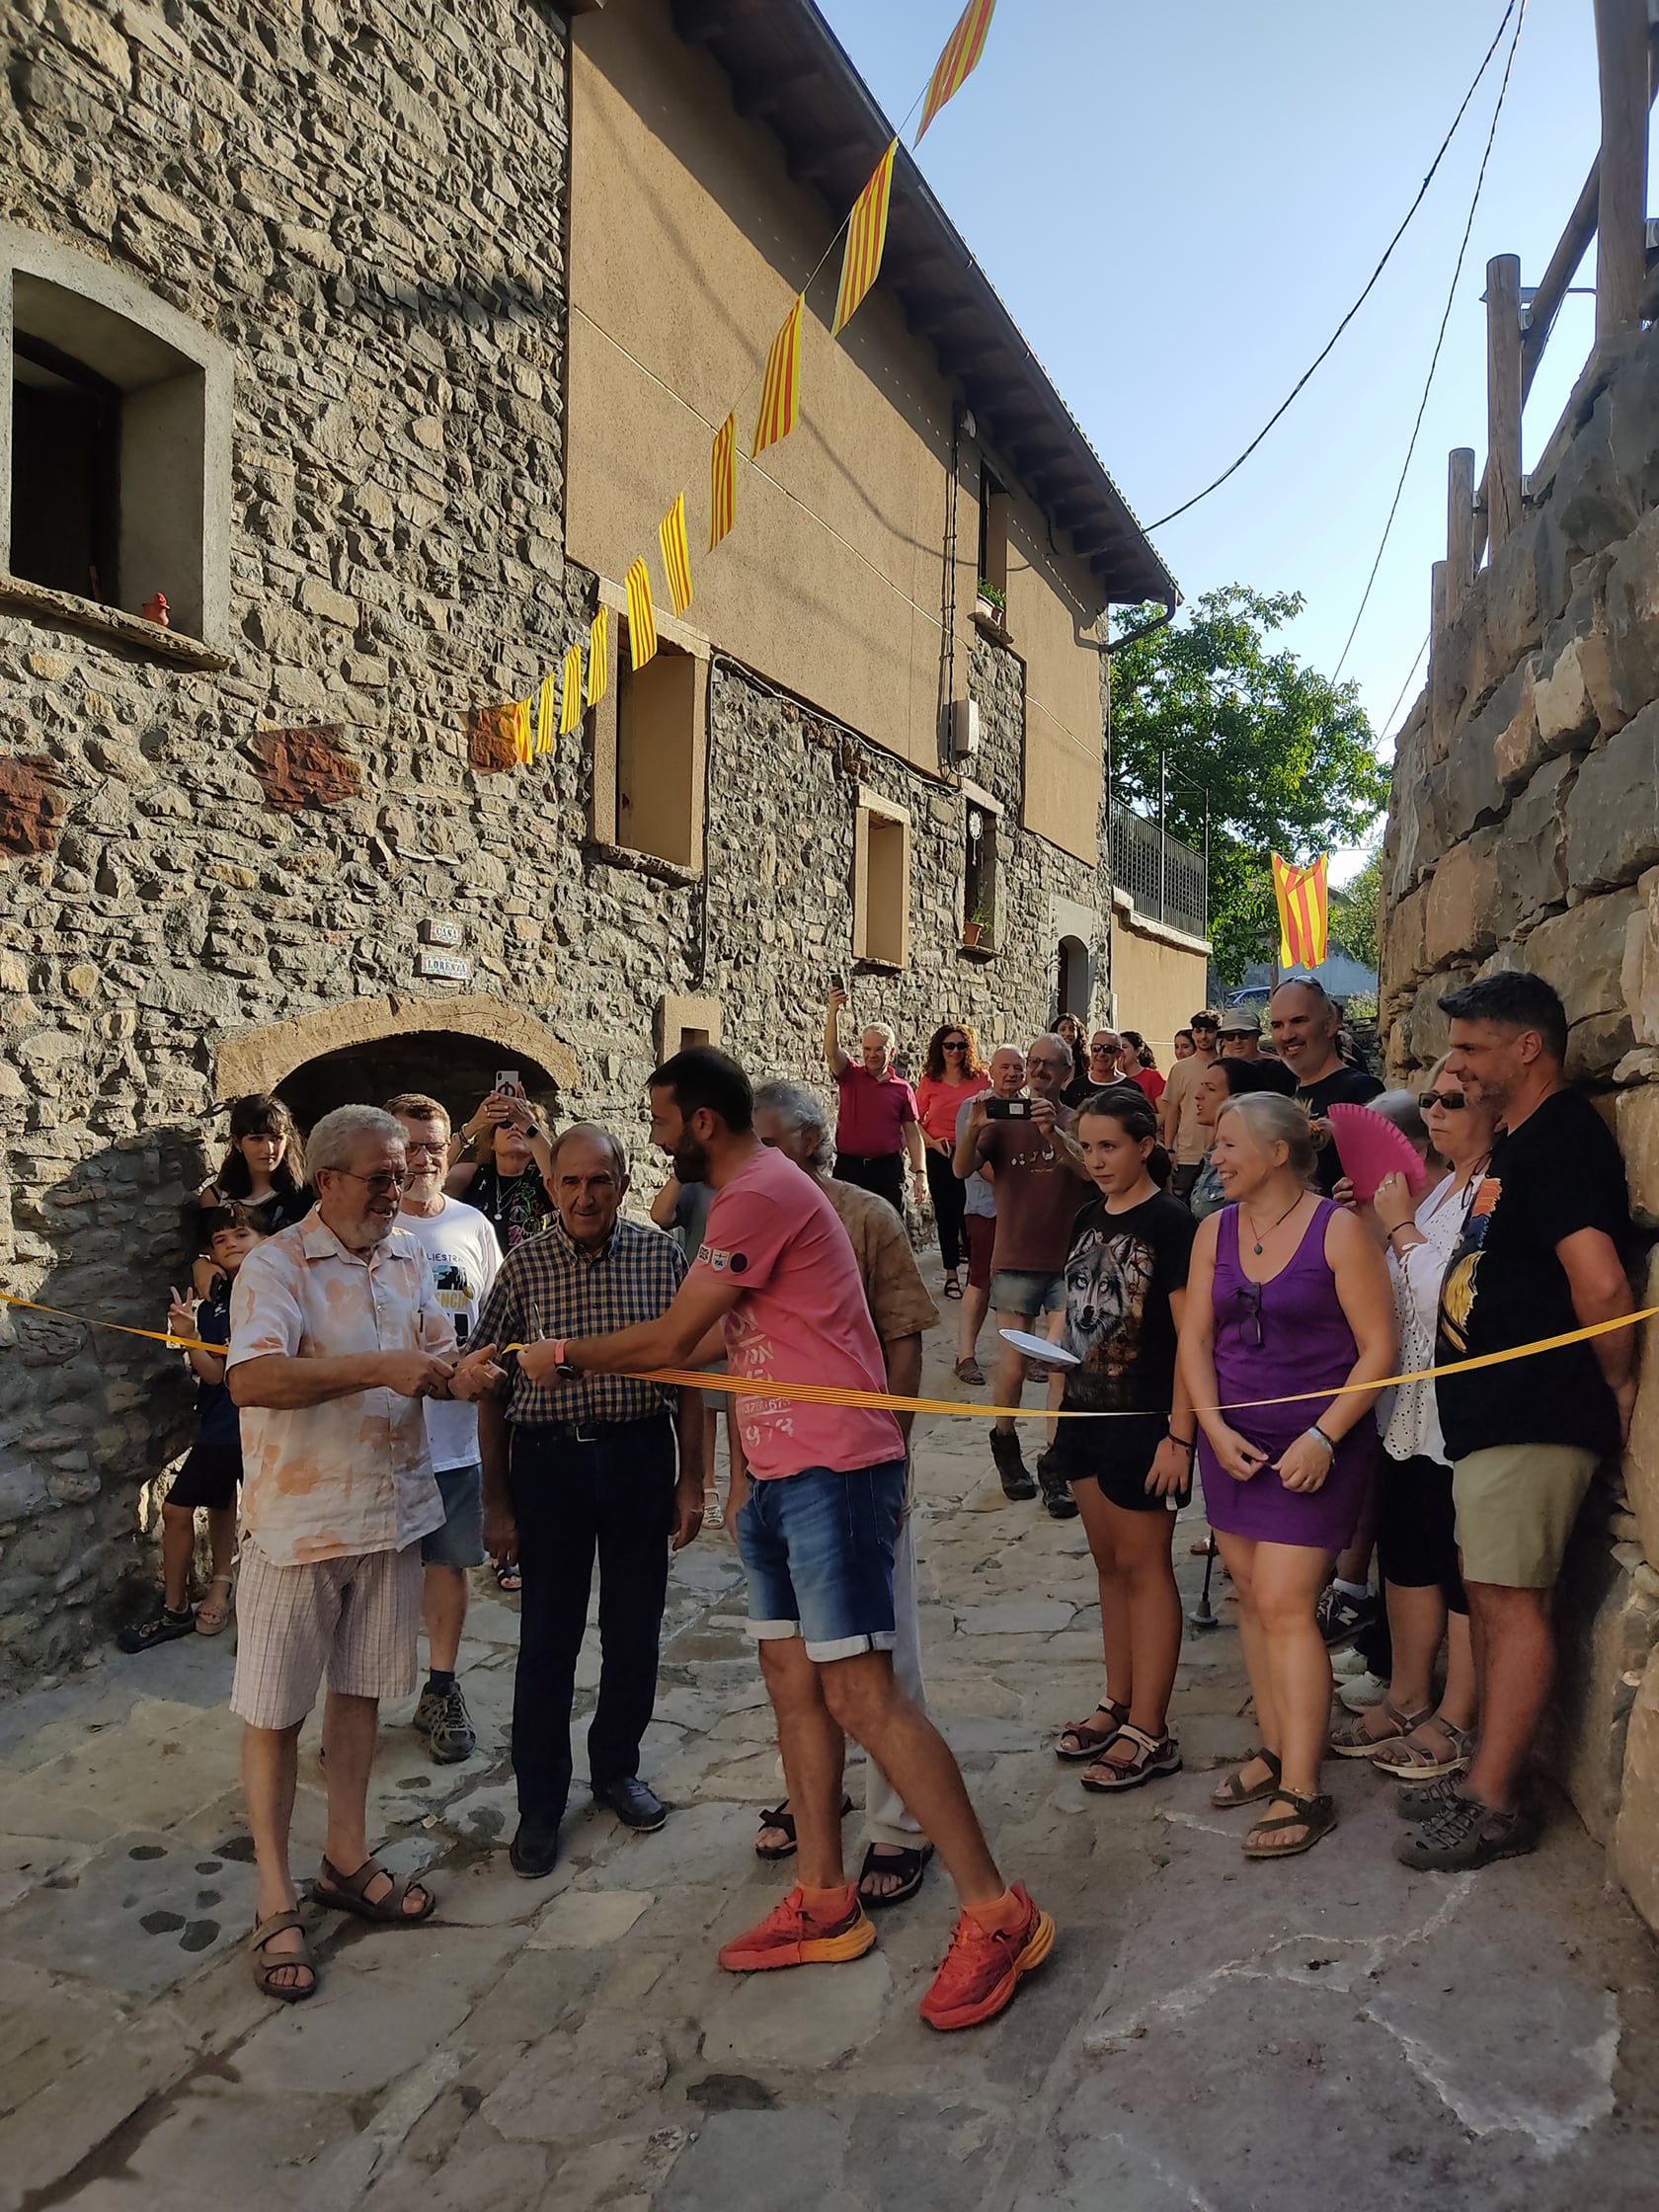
(866, 237)
(1303, 920)
(599, 656)
(959, 60)
(522, 736)
(544, 716)
(676, 554)
(642, 623)
(723, 488)
(570, 705)
(780, 394)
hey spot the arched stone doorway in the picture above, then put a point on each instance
(368, 1049)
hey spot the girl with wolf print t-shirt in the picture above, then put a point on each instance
(1129, 1470)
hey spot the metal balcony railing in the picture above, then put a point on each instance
(1167, 879)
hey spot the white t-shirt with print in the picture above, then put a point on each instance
(464, 1254)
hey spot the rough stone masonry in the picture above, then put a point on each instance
(367, 207)
(1525, 832)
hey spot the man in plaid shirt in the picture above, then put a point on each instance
(609, 1467)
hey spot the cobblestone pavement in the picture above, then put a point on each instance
(1208, 2033)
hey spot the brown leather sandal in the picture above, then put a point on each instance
(264, 1967)
(346, 1893)
(1230, 1794)
(1089, 1740)
(1316, 1815)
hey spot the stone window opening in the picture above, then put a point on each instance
(1071, 979)
(994, 550)
(115, 453)
(660, 754)
(978, 879)
(881, 883)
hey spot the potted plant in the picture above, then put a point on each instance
(992, 606)
(975, 930)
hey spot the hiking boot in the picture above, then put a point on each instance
(1341, 1618)
(1428, 1800)
(983, 1965)
(1056, 1490)
(1010, 1467)
(442, 1718)
(791, 1935)
(161, 1628)
(1465, 1835)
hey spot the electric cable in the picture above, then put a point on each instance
(1434, 357)
(1371, 284)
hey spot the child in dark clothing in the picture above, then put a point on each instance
(210, 1475)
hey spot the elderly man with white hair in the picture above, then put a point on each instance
(792, 1120)
(877, 1125)
(335, 1338)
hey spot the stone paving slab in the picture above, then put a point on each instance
(1207, 2035)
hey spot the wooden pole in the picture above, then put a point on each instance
(1439, 734)
(1503, 397)
(1459, 528)
(1621, 226)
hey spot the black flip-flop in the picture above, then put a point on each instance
(780, 1816)
(909, 1865)
(953, 1289)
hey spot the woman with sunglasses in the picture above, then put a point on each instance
(952, 1073)
(1409, 1736)
(1288, 1294)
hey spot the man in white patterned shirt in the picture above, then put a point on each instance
(571, 1470)
(336, 1338)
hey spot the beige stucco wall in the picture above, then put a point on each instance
(688, 242)
(1158, 981)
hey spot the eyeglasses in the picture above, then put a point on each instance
(956, 1044)
(1251, 1297)
(382, 1185)
(416, 1145)
(1453, 1100)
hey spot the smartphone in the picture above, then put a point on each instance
(837, 981)
(1007, 1109)
(509, 1082)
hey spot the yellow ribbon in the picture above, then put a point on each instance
(830, 1393)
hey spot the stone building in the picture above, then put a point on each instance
(377, 340)
(1525, 832)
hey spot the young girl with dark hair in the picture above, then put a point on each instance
(1124, 1291)
(263, 1170)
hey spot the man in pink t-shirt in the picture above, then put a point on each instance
(876, 1119)
(777, 1274)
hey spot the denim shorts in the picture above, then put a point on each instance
(817, 1549)
(1015, 1290)
(459, 1541)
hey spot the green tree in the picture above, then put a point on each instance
(1287, 758)
(1356, 911)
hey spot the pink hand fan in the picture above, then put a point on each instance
(1370, 1146)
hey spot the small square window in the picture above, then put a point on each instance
(658, 765)
(881, 896)
(978, 882)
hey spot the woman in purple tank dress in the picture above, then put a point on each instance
(1287, 1292)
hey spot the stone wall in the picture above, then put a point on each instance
(1525, 832)
(368, 211)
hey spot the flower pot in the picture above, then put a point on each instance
(971, 931)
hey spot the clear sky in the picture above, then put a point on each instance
(1178, 203)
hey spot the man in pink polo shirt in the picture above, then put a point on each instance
(876, 1124)
(778, 1276)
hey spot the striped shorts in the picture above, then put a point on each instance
(354, 1618)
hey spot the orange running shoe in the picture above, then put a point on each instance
(983, 1965)
(790, 1935)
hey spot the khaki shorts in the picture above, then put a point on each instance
(1516, 1507)
(354, 1618)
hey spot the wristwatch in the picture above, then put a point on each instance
(562, 1364)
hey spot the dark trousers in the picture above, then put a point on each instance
(612, 1497)
(883, 1173)
(949, 1194)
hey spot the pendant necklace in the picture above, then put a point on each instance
(1272, 1225)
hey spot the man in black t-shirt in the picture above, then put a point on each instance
(1305, 1020)
(1542, 1254)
